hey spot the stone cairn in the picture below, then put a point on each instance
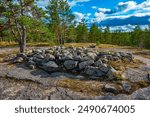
(77, 60)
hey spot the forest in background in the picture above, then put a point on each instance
(23, 21)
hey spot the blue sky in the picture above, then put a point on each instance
(122, 14)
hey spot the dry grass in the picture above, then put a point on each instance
(121, 66)
(6, 55)
(87, 87)
(8, 44)
(108, 46)
(42, 44)
(143, 53)
(79, 44)
(12, 44)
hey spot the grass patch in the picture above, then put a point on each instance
(40, 44)
(121, 66)
(143, 53)
(8, 44)
(79, 44)
(6, 55)
(14, 44)
(108, 46)
(92, 88)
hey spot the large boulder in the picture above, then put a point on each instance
(70, 64)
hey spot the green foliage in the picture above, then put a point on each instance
(24, 19)
(94, 34)
(60, 18)
(82, 33)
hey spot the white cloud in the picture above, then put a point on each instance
(126, 6)
(103, 10)
(141, 14)
(78, 16)
(99, 16)
(124, 10)
(124, 28)
(88, 14)
(75, 2)
(94, 7)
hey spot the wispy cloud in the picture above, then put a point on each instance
(75, 2)
(123, 10)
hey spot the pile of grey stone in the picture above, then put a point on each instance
(78, 60)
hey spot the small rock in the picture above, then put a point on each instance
(50, 57)
(84, 64)
(111, 73)
(23, 55)
(93, 71)
(37, 60)
(104, 60)
(67, 57)
(92, 55)
(49, 51)
(30, 62)
(37, 51)
(18, 60)
(126, 86)
(32, 67)
(111, 88)
(98, 63)
(103, 67)
(70, 64)
(39, 56)
(51, 66)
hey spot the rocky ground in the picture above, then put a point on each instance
(74, 73)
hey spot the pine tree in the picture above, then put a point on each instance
(82, 32)
(19, 16)
(94, 34)
(60, 17)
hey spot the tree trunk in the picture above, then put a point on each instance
(22, 42)
(22, 45)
